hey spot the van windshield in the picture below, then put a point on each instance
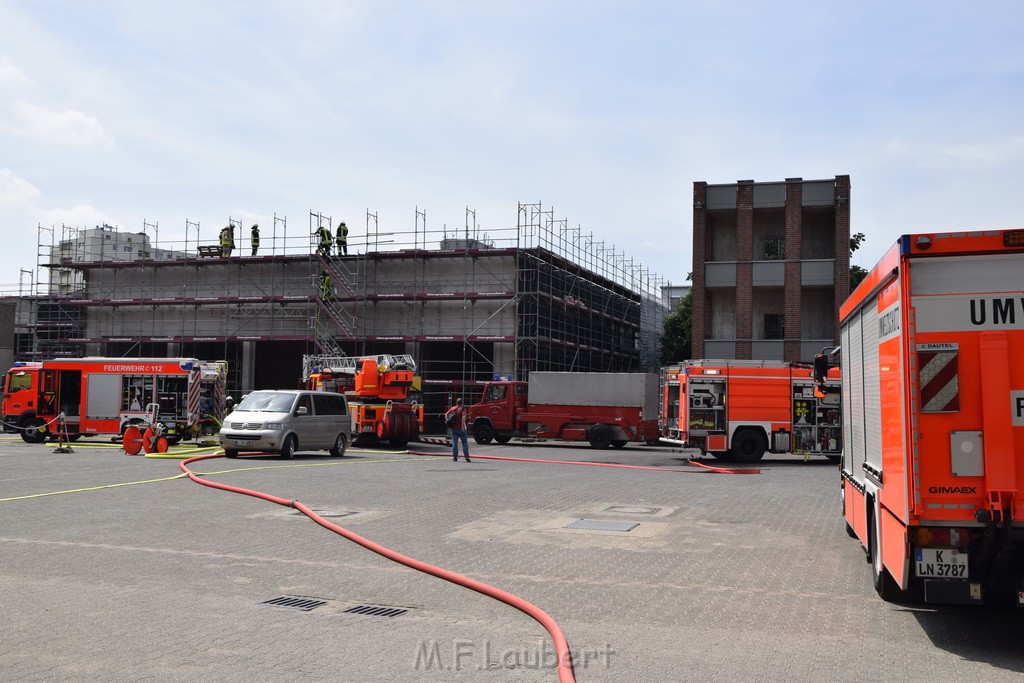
(266, 402)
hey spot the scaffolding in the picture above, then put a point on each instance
(468, 304)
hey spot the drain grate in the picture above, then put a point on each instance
(376, 611)
(602, 525)
(304, 604)
(632, 509)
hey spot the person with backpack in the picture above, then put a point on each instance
(455, 420)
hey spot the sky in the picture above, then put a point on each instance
(139, 113)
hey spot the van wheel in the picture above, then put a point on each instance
(483, 434)
(748, 445)
(340, 444)
(230, 453)
(600, 436)
(31, 433)
(289, 446)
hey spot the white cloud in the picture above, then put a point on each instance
(81, 215)
(985, 154)
(15, 191)
(67, 128)
(10, 72)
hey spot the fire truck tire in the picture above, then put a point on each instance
(34, 431)
(74, 437)
(619, 443)
(230, 453)
(340, 444)
(885, 585)
(748, 445)
(398, 443)
(482, 434)
(289, 446)
(502, 437)
(600, 436)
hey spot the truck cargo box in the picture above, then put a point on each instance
(632, 389)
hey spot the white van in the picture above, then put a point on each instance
(286, 421)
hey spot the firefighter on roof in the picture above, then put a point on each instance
(342, 239)
(325, 240)
(227, 240)
(254, 238)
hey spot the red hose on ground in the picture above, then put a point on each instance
(709, 469)
(565, 671)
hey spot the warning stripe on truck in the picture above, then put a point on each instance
(939, 381)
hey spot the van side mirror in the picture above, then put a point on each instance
(302, 410)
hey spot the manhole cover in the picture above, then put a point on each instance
(333, 514)
(632, 510)
(602, 525)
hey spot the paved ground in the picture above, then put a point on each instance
(725, 577)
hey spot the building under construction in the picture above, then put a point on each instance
(468, 306)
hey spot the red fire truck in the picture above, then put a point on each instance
(933, 396)
(378, 392)
(75, 396)
(744, 408)
(603, 408)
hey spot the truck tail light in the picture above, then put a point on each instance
(1013, 238)
(942, 537)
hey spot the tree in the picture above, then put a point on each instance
(677, 340)
(857, 274)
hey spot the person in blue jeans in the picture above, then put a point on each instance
(458, 428)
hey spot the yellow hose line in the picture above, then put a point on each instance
(93, 488)
(203, 474)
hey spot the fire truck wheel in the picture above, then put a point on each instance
(289, 446)
(398, 443)
(619, 443)
(230, 453)
(340, 444)
(885, 585)
(31, 432)
(483, 434)
(74, 437)
(748, 445)
(600, 436)
(502, 438)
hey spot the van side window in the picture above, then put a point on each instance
(330, 405)
(304, 402)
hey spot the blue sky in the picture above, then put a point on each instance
(166, 112)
